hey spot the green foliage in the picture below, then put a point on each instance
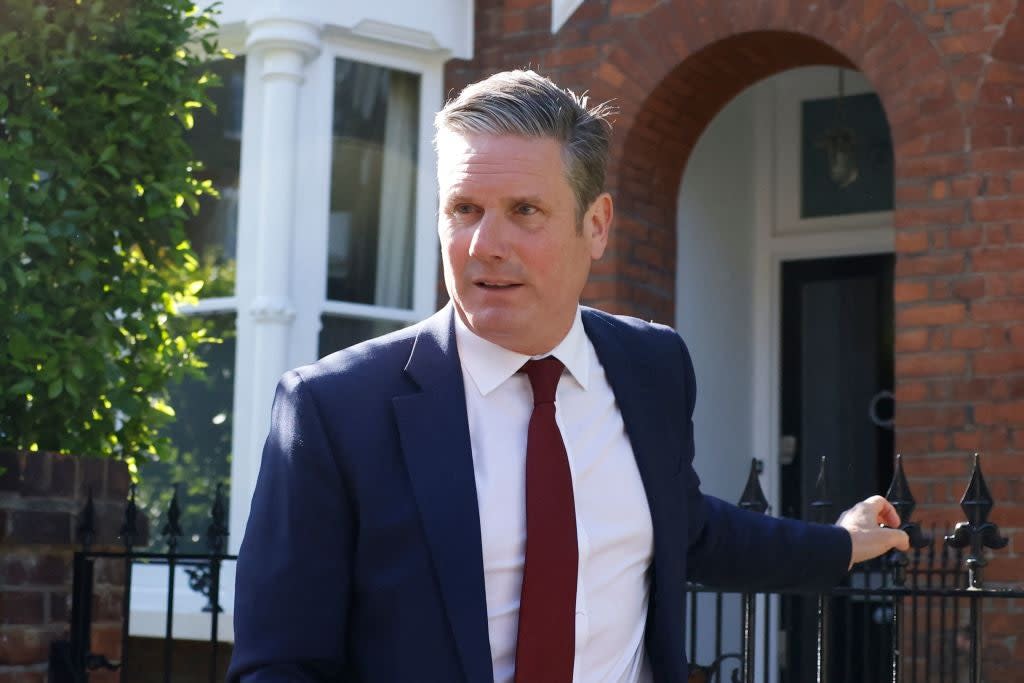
(96, 183)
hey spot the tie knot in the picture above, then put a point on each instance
(544, 374)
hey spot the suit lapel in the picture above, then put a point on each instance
(434, 434)
(645, 416)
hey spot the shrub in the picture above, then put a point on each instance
(95, 184)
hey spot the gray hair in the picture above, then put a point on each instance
(527, 104)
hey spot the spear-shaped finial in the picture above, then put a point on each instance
(87, 525)
(129, 529)
(903, 500)
(977, 532)
(753, 497)
(217, 532)
(172, 529)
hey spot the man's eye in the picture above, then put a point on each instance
(526, 209)
(462, 209)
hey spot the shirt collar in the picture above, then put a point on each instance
(489, 365)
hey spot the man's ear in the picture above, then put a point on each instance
(597, 224)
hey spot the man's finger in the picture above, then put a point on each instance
(888, 515)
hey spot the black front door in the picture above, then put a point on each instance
(837, 375)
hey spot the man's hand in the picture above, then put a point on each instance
(870, 539)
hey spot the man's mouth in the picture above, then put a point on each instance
(496, 284)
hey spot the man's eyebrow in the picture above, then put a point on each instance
(531, 199)
(453, 199)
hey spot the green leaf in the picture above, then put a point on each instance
(123, 100)
(22, 387)
(55, 388)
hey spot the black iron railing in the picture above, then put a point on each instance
(912, 617)
(72, 660)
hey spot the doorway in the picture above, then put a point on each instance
(836, 401)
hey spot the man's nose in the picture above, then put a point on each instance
(490, 239)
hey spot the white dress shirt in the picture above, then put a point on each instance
(613, 521)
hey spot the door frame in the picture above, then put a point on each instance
(774, 244)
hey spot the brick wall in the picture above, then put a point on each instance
(950, 74)
(41, 495)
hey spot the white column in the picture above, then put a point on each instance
(283, 46)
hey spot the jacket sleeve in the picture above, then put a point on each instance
(294, 574)
(734, 549)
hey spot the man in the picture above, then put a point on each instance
(504, 491)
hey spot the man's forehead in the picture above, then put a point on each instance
(466, 155)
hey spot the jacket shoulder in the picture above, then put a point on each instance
(367, 367)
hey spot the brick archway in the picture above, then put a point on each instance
(678, 80)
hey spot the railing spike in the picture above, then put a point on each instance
(217, 532)
(87, 526)
(753, 497)
(129, 529)
(902, 499)
(172, 529)
(977, 533)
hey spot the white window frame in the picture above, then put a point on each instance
(793, 89)
(308, 284)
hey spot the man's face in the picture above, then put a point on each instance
(515, 262)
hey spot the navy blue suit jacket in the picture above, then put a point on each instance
(362, 556)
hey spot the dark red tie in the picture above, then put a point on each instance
(546, 643)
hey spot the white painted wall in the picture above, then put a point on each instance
(714, 284)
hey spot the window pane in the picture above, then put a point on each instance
(846, 157)
(373, 185)
(339, 333)
(200, 456)
(216, 141)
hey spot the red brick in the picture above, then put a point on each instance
(990, 311)
(967, 338)
(21, 646)
(995, 235)
(909, 242)
(967, 441)
(1003, 160)
(907, 291)
(966, 43)
(961, 238)
(911, 392)
(21, 607)
(969, 287)
(39, 527)
(929, 264)
(930, 364)
(952, 214)
(620, 7)
(22, 676)
(34, 569)
(930, 314)
(994, 363)
(932, 166)
(911, 340)
(968, 19)
(1003, 259)
(1017, 182)
(1000, 413)
(909, 417)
